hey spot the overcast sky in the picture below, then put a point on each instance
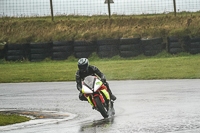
(93, 7)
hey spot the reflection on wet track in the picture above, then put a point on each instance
(97, 124)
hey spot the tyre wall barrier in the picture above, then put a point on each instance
(83, 49)
(177, 45)
(40, 51)
(153, 46)
(16, 52)
(105, 48)
(130, 47)
(2, 51)
(174, 45)
(62, 50)
(194, 46)
(108, 48)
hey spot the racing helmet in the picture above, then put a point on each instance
(83, 64)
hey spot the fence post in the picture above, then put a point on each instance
(174, 7)
(109, 8)
(51, 9)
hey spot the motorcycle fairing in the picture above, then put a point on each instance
(98, 84)
(86, 90)
(105, 92)
(91, 85)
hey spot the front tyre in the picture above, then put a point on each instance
(100, 107)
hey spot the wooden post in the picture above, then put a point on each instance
(174, 7)
(51, 9)
(109, 8)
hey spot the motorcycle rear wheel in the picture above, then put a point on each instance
(101, 107)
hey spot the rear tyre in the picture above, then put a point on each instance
(100, 107)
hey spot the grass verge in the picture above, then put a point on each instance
(42, 29)
(162, 66)
(7, 119)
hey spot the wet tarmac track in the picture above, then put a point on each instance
(142, 106)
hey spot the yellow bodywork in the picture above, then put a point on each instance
(105, 92)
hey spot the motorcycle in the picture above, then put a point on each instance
(97, 95)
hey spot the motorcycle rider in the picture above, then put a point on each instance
(85, 70)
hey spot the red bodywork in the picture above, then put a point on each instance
(100, 96)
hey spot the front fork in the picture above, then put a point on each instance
(89, 100)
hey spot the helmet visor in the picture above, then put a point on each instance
(83, 68)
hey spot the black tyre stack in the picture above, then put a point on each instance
(194, 46)
(108, 48)
(152, 46)
(2, 51)
(40, 51)
(62, 50)
(16, 52)
(83, 49)
(130, 47)
(174, 45)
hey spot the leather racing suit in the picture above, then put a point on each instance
(91, 71)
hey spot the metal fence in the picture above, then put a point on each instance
(31, 8)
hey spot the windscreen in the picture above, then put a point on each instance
(89, 81)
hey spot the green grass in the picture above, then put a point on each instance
(162, 66)
(7, 119)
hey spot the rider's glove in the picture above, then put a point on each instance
(103, 80)
(79, 88)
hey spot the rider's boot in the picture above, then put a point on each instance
(113, 97)
(82, 97)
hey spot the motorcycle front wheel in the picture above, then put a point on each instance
(101, 107)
